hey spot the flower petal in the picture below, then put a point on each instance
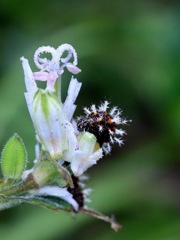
(29, 78)
(72, 68)
(56, 192)
(73, 91)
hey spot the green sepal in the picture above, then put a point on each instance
(4, 183)
(48, 172)
(14, 158)
(6, 202)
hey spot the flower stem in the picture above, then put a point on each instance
(19, 188)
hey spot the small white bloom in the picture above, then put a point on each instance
(52, 68)
(86, 156)
(50, 117)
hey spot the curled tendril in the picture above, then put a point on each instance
(54, 64)
(44, 63)
(71, 52)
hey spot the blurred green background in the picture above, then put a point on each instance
(129, 53)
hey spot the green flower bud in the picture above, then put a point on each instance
(50, 123)
(44, 172)
(14, 157)
(48, 172)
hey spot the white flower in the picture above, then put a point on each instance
(51, 69)
(87, 155)
(50, 117)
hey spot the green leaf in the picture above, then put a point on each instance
(52, 203)
(14, 157)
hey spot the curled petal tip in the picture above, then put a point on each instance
(72, 68)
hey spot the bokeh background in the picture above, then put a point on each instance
(129, 53)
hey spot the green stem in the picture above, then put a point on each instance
(58, 88)
(20, 188)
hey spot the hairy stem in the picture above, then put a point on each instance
(19, 188)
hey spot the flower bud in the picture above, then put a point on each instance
(44, 172)
(14, 158)
(48, 172)
(49, 121)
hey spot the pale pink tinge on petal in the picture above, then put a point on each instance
(72, 68)
(41, 76)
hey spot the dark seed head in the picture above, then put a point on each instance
(100, 124)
